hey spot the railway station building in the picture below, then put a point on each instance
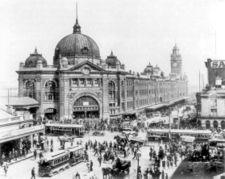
(80, 84)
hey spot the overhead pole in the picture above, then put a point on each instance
(215, 44)
(199, 81)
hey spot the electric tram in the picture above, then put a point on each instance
(61, 160)
(165, 134)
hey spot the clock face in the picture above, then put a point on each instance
(175, 64)
(86, 71)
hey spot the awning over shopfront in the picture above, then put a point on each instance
(22, 102)
(5, 115)
(64, 125)
(157, 106)
(176, 100)
(161, 105)
(19, 133)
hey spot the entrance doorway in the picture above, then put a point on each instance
(86, 107)
(50, 113)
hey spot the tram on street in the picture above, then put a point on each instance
(61, 129)
(165, 134)
(61, 160)
(215, 142)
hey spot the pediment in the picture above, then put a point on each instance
(86, 68)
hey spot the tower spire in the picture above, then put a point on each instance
(76, 14)
(76, 27)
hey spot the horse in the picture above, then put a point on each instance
(108, 156)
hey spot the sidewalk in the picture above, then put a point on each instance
(170, 171)
(30, 155)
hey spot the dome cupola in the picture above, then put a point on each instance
(34, 59)
(148, 69)
(112, 60)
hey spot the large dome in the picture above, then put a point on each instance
(76, 45)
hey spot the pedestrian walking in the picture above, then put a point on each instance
(135, 155)
(91, 166)
(10, 156)
(5, 167)
(124, 153)
(51, 142)
(164, 164)
(76, 176)
(163, 175)
(16, 154)
(100, 160)
(40, 155)
(35, 154)
(167, 177)
(33, 173)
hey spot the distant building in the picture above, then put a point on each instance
(211, 101)
(15, 131)
(82, 85)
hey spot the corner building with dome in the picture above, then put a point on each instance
(82, 86)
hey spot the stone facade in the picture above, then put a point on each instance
(211, 101)
(210, 106)
(216, 71)
(82, 85)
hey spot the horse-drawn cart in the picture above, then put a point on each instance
(119, 168)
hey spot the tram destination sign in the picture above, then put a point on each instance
(215, 64)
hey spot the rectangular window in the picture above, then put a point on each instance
(74, 82)
(96, 82)
(82, 82)
(89, 82)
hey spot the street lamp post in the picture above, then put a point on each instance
(169, 123)
(138, 158)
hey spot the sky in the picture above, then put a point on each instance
(137, 31)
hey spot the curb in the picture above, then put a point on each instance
(20, 160)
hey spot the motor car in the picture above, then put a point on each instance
(98, 133)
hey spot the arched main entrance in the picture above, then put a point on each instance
(85, 107)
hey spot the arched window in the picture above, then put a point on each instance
(208, 124)
(112, 91)
(50, 90)
(215, 124)
(222, 124)
(30, 89)
(160, 99)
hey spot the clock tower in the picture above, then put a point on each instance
(176, 62)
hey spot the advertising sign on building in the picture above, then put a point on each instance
(217, 64)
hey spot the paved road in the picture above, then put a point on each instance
(22, 170)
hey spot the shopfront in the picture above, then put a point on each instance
(51, 114)
(18, 142)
